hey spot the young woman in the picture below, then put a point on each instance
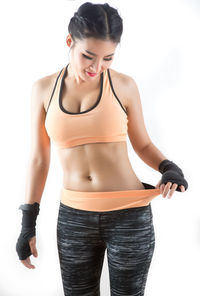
(87, 109)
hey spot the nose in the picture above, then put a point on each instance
(96, 67)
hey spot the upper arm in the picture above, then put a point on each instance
(137, 132)
(40, 142)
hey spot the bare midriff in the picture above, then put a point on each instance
(98, 167)
(99, 177)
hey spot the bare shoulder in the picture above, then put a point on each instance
(124, 85)
(124, 78)
(45, 85)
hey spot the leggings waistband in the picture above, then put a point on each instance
(109, 200)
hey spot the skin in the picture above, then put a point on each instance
(83, 161)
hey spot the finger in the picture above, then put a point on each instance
(32, 244)
(182, 188)
(173, 188)
(162, 188)
(33, 250)
(27, 263)
(166, 189)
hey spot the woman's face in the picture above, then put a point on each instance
(91, 55)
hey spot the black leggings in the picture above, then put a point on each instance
(82, 238)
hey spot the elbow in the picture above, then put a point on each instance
(40, 156)
(142, 150)
(40, 160)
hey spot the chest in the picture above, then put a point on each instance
(77, 117)
(79, 99)
(76, 99)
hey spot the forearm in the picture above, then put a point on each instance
(152, 156)
(35, 181)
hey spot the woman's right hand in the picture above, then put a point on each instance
(27, 261)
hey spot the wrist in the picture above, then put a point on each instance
(163, 164)
(30, 207)
(168, 165)
(30, 213)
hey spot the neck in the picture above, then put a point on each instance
(78, 81)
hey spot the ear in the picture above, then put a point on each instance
(69, 40)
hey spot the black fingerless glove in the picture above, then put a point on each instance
(172, 173)
(30, 213)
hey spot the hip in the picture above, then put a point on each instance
(107, 201)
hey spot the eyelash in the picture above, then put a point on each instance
(91, 58)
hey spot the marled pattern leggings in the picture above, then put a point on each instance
(82, 238)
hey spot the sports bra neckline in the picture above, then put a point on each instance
(60, 95)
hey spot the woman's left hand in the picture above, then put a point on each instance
(169, 188)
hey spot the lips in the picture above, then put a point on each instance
(91, 74)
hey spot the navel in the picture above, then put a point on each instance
(89, 178)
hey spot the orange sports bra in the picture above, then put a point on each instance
(105, 121)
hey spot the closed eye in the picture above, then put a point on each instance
(85, 56)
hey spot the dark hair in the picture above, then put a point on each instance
(100, 21)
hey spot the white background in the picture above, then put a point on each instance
(160, 50)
